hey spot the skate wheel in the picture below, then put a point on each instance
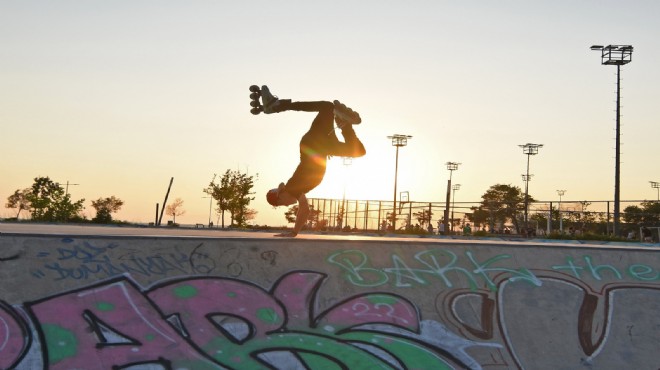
(255, 110)
(254, 88)
(255, 104)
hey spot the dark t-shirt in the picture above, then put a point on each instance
(310, 171)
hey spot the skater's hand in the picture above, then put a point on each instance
(288, 234)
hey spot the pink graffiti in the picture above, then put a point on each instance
(298, 292)
(109, 325)
(197, 301)
(14, 339)
(202, 322)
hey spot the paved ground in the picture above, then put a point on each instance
(91, 230)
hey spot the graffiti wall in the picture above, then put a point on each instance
(169, 303)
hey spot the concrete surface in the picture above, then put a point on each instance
(70, 300)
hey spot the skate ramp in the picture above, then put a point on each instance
(258, 303)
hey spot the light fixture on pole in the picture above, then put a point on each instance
(529, 150)
(617, 55)
(453, 202)
(347, 161)
(210, 207)
(451, 166)
(398, 141)
(656, 185)
(561, 224)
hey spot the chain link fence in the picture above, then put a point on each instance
(544, 217)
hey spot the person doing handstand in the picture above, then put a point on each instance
(316, 146)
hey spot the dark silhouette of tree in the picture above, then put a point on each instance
(423, 217)
(313, 221)
(19, 200)
(501, 203)
(175, 209)
(648, 212)
(49, 202)
(105, 207)
(233, 193)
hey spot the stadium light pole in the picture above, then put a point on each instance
(347, 161)
(451, 166)
(561, 223)
(656, 185)
(398, 141)
(529, 150)
(617, 55)
(210, 207)
(453, 202)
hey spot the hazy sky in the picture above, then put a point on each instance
(118, 96)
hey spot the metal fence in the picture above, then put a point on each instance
(543, 216)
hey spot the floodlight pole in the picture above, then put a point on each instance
(561, 223)
(617, 55)
(347, 161)
(397, 141)
(210, 207)
(451, 166)
(656, 185)
(453, 202)
(529, 150)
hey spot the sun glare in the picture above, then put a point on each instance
(352, 178)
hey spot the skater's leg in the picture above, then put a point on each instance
(323, 122)
(351, 147)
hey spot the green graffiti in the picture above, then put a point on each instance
(643, 272)
(105, 306)
(61, 343)
(586, 268)
(319, 362)
(439, 264)
(353, 262)
(405, 350)
(268, 315)
(382, 299)
(185, 291)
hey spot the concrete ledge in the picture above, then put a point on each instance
(258, 301)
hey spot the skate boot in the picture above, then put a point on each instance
(269, 102)
(345, 115)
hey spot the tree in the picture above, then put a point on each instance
(633, 215)
(175, 209)
(583, 217)
(423, 217)
(19, 200)
(501, 203)
(313, 221)
(105, 207)
(478, 217)
(647, 213)
(233, 194)
(49, 202)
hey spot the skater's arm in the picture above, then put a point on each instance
(303, 213)
(301, 217)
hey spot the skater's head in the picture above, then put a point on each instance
(272, 196)
(279, 197)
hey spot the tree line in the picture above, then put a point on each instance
(501, 204)
(48, 201)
